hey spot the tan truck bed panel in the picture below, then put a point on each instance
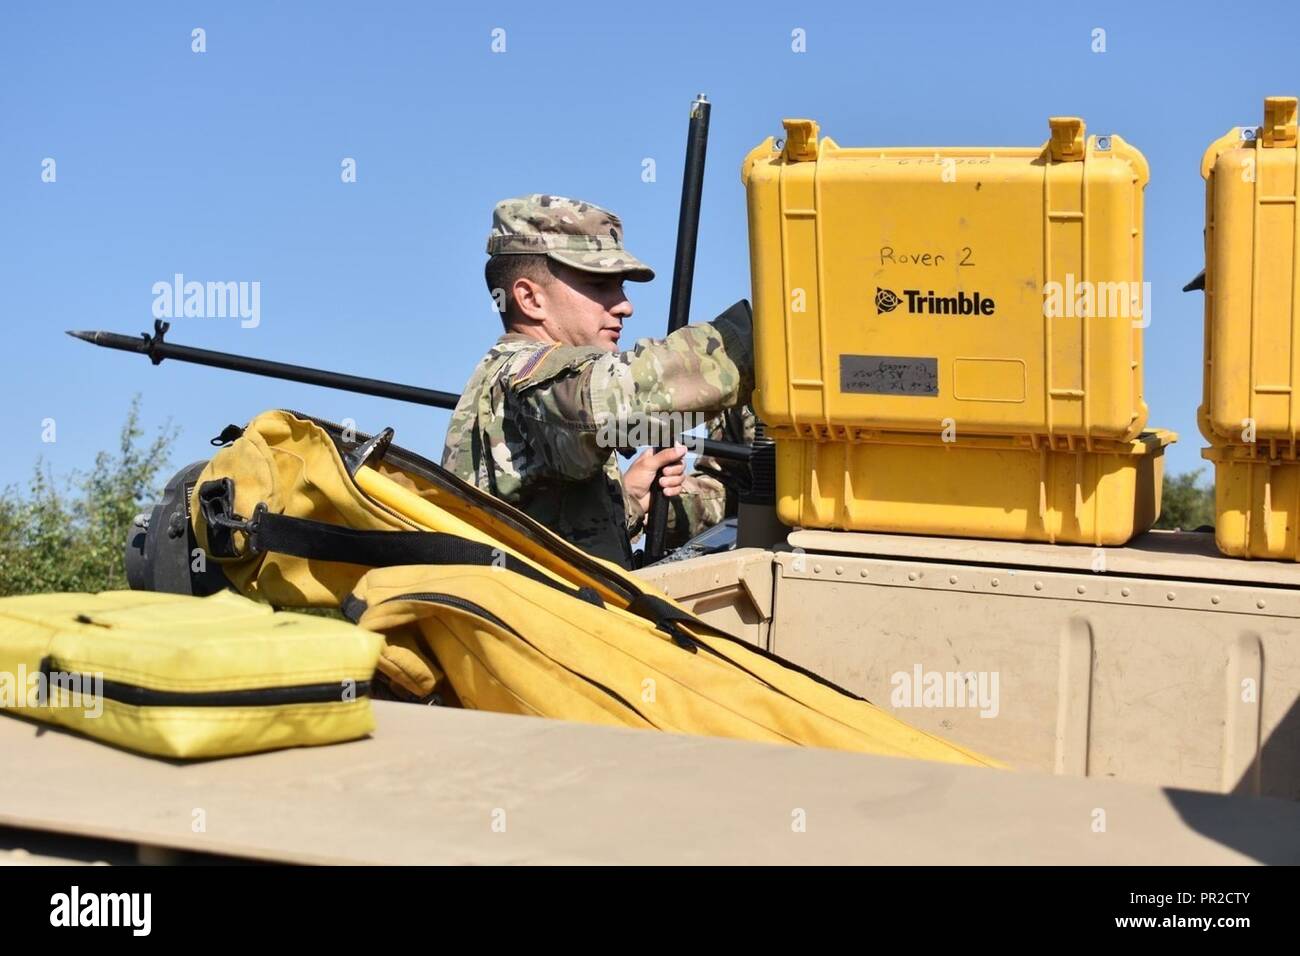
(429, 785)
(1160, 663)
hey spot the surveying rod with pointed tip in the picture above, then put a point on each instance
(157, 349)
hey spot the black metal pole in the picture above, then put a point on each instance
(679, 305)
(157, 349)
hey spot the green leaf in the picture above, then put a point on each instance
(70, 535)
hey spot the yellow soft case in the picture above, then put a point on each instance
(180, 676)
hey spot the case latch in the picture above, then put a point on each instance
(800, 139)
(1067, 144)
(1279, 122)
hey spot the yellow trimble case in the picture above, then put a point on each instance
(982, 487)
(999, 288)
(949, 341)
(1252, 284)
(1250, 411)
(1256, 501)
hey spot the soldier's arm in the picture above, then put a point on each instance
(573, 400)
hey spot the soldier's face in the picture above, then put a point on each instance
(586, 309)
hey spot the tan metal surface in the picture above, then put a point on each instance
(732, 590)
(1163, 554)
(431, 784)
(1161, 663)
(1169, 682)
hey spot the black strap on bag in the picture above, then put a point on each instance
(317, 540)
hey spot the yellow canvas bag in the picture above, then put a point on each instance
(180, 676)
(495, 640)
(484, 607)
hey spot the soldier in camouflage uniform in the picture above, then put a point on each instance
(533, 421)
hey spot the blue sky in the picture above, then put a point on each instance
(225, 166)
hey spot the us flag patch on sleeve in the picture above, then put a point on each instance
(530, 366)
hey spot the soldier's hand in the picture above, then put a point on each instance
(640, 475)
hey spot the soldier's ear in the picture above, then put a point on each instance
(529, 297)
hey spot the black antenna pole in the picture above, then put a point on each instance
(679, 306)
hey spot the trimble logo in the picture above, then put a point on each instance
(927, 303)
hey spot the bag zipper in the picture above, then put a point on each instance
(137, 696)
(463, 604)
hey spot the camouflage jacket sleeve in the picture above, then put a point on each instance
(578, 404)
(701, 505)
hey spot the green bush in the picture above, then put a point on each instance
(71, 538)
(1185, 503)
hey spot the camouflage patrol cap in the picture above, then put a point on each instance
(570, 231)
